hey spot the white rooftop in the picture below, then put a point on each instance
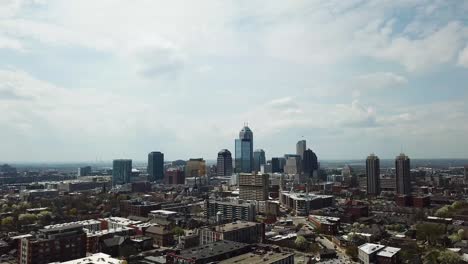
(370, 248)
(95, 258)
(388, 252)
(163, 212)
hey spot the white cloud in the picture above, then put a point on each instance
(463, 57)
(379, 80)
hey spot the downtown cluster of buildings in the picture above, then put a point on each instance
(242, 209)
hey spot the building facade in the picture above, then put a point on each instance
(155, 166)
(254, 186)
(224, 163)
(230, 210)
(121, 171)
(259, 159)
(174, 176)
(300, 148)
(244, 151)
(309, 163)
(195, 168)
(373, 174)
(403, 174)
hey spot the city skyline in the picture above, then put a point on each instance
(350, 77)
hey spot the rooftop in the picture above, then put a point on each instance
(388, 252)
(252, 258)
(95, 258)
(212, 249)
(234, 226)
(370, 248)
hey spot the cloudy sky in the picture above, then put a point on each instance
(81, 79)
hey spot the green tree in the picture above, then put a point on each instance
(7, 222)
(300, 243)
(178, 231)
(429, 232)
(44, 217)
(449, 257)
(431, 257)
(26, 219)
(314, 248)
(73, 212)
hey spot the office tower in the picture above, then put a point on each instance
(282, 163)
(275, 165)
(293, 164)
(224, 163)
(403, 174)
(174, 176)
(300, 148)
(254, 186)
(309, 163)
(54, 244)
(259, 159)
(155, 166)
(84, 171)
(121, 171)
(373, 174)
(244, 151)
(195, 168)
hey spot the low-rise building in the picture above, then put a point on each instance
(388, 255)
(97, 258)
(303, 203)
(162, 236)
(213, 252)
(326, 224)
(368, 252)
(230, 210)
(262, 258)
(239, 231)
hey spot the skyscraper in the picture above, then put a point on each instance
(275, 165)
(224, 163)
(244, 151)
(403, 174)
(293, 165)
(309, 163)
(155, 166)
(373, 174)
(121, 171)
(300, 148)
(259, 159)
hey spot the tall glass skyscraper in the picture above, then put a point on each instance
(121, 171)
(259, 159)
(155, 166)
(244, 151)
(373, 174)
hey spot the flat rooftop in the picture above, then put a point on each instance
(370, 248)
(252, 258)
(100, 258)
(83, 223)
(212, 249)
(305, 196)
(234, 226)
(325, 219)
(388, 252)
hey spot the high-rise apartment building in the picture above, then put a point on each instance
(224, 163)
(253, 186)
(244, 151)
(195, 168)
(155, 166)
(373, 174)
(259, 159)
(300, 148)
(403, 174)
(121, 171)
